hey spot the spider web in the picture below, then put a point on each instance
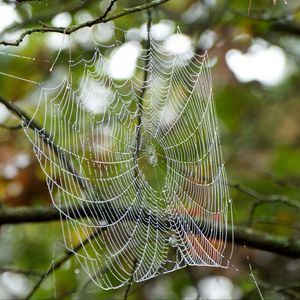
(139, 181)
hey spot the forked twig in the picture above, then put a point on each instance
(263, 199)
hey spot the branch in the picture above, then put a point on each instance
(264, 199)
(140, 104)
(47, 139)
(291, 28)
(144, 86)
(272, 199)
(265, 241)
(242, 235)
(35, 215)
(68, 30)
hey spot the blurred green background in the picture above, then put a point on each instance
(256, 82)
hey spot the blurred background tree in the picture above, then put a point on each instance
(254, 50)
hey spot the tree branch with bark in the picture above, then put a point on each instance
(70, 29)
(242, 235)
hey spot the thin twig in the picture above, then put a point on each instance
(70, 29)
(144, 87)
(109, 8)
(131, 280)
(249, 7)
(140, 106)
(255, 281)
(127, 290)
(275, 199)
